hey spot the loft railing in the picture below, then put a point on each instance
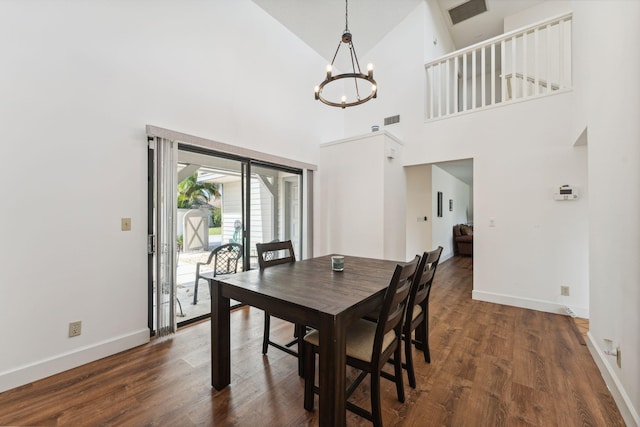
(526, 63)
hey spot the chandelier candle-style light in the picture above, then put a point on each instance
(355, 73)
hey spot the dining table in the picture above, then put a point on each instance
(310, 293)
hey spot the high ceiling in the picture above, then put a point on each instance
(320, 23)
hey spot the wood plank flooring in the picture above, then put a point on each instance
(492, 365)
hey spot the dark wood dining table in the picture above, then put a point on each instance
(309, 293)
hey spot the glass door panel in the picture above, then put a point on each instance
(209, 215)
(275, 208)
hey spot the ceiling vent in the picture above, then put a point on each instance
(467, 10)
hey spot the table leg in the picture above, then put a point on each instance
(220, 338)
(332, 372)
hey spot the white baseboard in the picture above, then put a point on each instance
(54, 365)
(444, 257)
(531, 304)
(629, 413)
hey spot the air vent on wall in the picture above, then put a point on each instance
(467, 10)
(391, 120)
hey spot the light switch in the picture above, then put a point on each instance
(126, 224)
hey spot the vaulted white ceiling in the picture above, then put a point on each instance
(320, 23)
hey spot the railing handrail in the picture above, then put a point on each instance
(530, 79)
(500, 37)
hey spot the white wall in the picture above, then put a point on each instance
(350, 198)
(452, 189)
(537, 13)
(362, 198)
(609, 106)
(419, 234)
(79, 82)
(521, 155)
(394, 203)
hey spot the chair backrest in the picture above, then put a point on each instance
(395, 303)
(274, 253)
(423, 279)
(225, 258)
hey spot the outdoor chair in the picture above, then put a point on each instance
(369, 346)
(270, 254)
(225, 261)
(417, 315)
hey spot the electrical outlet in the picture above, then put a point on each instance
(619, 357)
(126, 224)
(564, 291)
(75, 328)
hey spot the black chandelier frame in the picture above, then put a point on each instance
(356, 73)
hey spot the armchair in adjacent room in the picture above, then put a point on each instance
(463, 239)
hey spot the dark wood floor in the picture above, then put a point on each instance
(492, 365)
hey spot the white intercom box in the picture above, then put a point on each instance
(566, 192)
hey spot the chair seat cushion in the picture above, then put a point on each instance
(360, 336)
(416, 312)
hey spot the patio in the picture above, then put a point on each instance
(185, 283)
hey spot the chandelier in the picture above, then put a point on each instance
(355, 74)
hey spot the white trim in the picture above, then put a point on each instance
(625, 406)
(529, 303)
(500, 104)
(364, 136)
(514, 33)
(54, 365)
(225, 148)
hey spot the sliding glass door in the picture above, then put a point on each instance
(220, 199)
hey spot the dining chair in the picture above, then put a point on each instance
(225, 261)
(417, 315)
(369, 346)
(270, 254)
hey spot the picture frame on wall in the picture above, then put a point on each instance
(440, 203)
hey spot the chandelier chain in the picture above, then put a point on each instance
(346, 16)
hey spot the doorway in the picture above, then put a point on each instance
(439, 196)
(220, 198)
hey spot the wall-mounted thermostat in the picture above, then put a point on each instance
(566, 192)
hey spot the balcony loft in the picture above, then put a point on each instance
(526, 63)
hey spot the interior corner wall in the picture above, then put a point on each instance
(442, 227)
(351, 198)
(611, 107)
(79, 82)
(419, 200)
